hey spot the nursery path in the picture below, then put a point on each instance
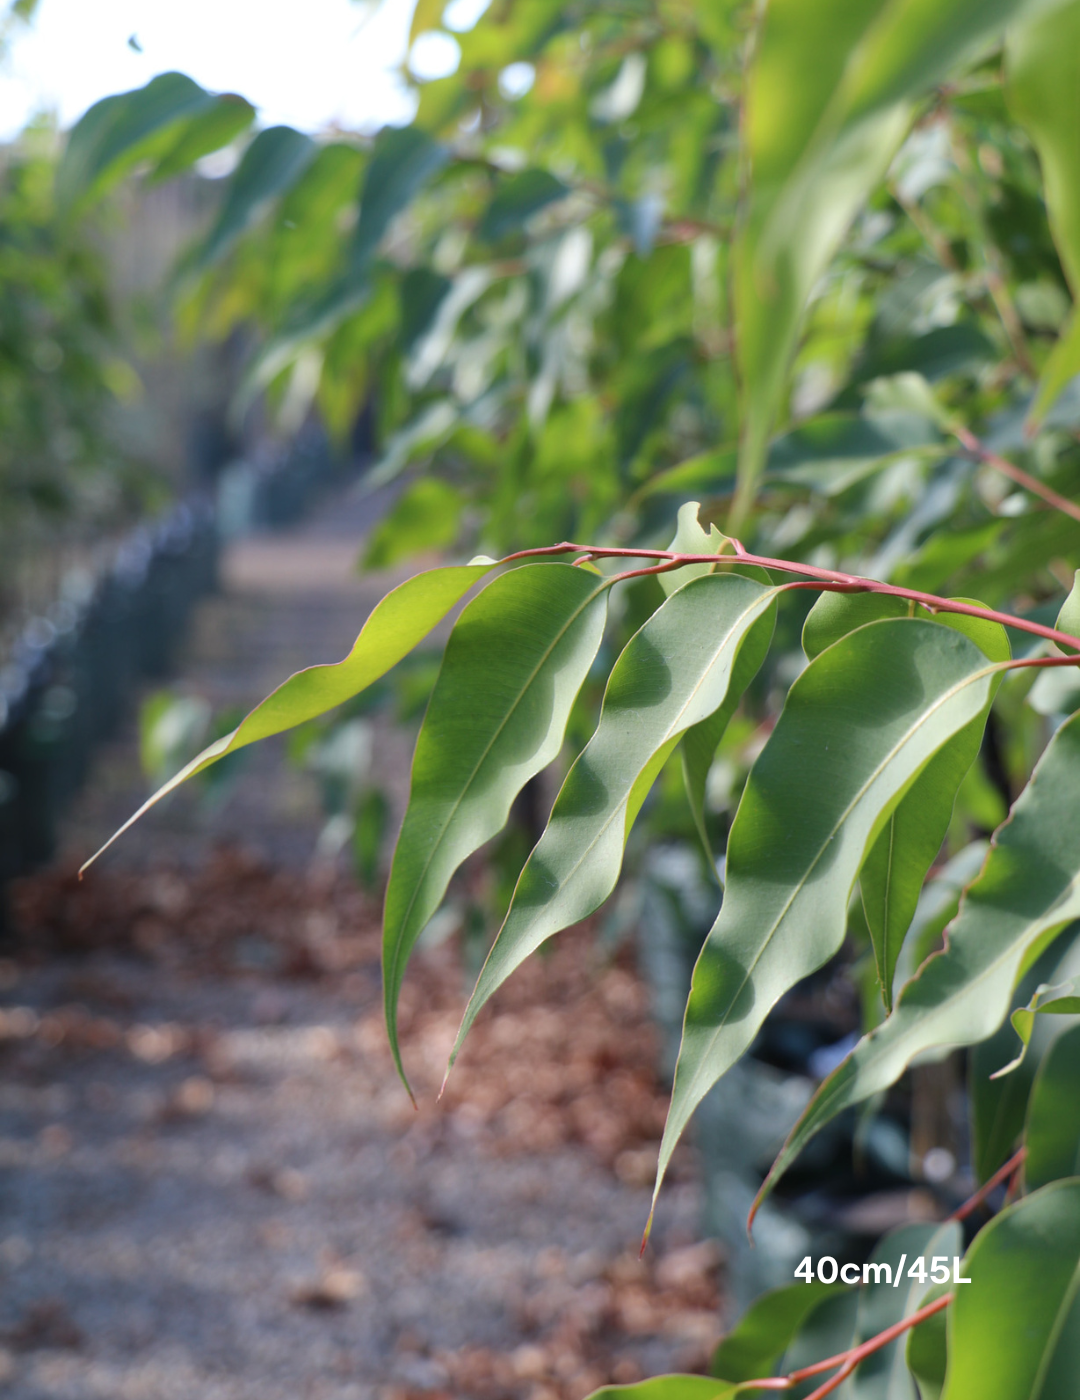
(212, 1184)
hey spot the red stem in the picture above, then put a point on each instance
(830, 580)
(973, 1202)
(1015, 473)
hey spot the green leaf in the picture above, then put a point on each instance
(208, 131)
(858, 727)
(892, 876)
(668, 1388)
(927, 1354)
(426, 517)
(1068, 619)
(1014, 1330)
(273, 162)
(1061, 1000)
(118, 131)
(700, 741)
(404, 617)
(1042, 69)
(828, 1330)
(830, 96)
(883, 1302)
(516, 200)
(672, 673)
(1052, 1132)
(834, 615)
(512, 669)
(691, 538)
(1028, 892)
(835, 450)
(765, 1331)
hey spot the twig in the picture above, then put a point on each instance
(1011, 1167)
(1022, 478)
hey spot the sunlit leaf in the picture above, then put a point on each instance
(765, 1331)
(1014, 1330)
(404, 617)
(425, 517)
(1028, 892)
(512, 668)
(668, 1388)
(272, 163)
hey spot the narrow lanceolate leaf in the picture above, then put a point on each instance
(674, 672)
(401, 620)
(1042, 66)
(1014, 1330)
(1028, 891)
(1052, 1133)
(512, 669)
(892, 876)
(859, 725)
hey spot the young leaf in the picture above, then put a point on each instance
(1052, 1134)
(691, 538)
(766, 1330)
(859, 725)
(1061, 1000)
(673, 672)
(1028, 892)
(1014, 1331)
(1068, 619)
(404, 617)
(512, 669)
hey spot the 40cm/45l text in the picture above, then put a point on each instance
(828, 1271)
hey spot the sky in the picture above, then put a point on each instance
(308, 63)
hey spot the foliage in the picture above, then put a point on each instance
(814, 266)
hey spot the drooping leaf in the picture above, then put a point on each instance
(890, 1296)
(859, 725)
(1052, 1132)
(272, 163)
(828, 1330)
(672, 673)
(766, 1330)
(830, 95)
(403, 161)
(404, 617)
(1042, 67)
(1028, 892)
(895, 868)
(516, 200)
(927, 1354)
(118, 131)
(512, 669)
(700, 741)
(834, 615)
(1014, 1330)
(209, 130)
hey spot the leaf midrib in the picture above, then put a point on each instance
(859, 795)
(436, 845)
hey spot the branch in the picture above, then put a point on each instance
(1015, 473)
(848, 1360)
(1011, 1167)
(829, 580)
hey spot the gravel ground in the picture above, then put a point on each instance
(211, 1182)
